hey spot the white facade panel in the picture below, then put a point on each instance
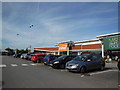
(88, 43)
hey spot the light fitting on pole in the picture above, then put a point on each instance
(31, 25)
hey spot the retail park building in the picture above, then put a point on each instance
(108, 44)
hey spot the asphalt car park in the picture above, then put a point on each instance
(20, 73)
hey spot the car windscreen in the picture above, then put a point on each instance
(62, 57)
(48, 56)
(41, 55)
(32, 55)
(81, 58)
(24, 54)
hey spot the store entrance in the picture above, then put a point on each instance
(114, 54)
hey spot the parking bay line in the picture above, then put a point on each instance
(14, 65)
(3, 65)
(41, 64)
(24, 64)
(33, 64)
(95, 73)
(63, 70)
(102, 72)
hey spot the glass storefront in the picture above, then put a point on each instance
(112, 47)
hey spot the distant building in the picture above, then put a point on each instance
(76, 48)
(108, 44)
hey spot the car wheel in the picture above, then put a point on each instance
(62, 66)
(38, 61)
(55, 66)
(102, 68)
(34, 61)
(83, 70)
(45, 64)
(42, 61)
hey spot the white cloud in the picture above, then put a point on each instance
(49, 28)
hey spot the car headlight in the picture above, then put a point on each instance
(56, 62)
(75, 66)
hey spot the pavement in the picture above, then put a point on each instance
(112, 65)
(20, 73)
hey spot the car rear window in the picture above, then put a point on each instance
(41, 55)
(47, 56)
(57, 56)
(32, 55)
(81, 57)
(62, 57)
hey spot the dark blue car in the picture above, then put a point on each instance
(83, 63)
(49, 58)
(17, 55)
(61, 61)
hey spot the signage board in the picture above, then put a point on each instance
(111, 43)
(63, 47)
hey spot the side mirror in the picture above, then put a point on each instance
(88, 60)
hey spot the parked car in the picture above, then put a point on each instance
(30, 56)
(38, 58)
(49, 58)
(61, 61)
(83, 63)
(14, 55)
(23, 56)
(17, 55)
(5, 53)
(118, 65)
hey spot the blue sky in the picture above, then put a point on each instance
(55, 22)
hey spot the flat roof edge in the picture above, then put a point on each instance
(86, 41)
(111, 34)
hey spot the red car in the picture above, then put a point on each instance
(38, 58)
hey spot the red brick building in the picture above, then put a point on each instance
(76, 47)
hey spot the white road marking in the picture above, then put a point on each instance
(102, 72)
(3, 65)
(82, 75)
(63, 70)
(24, 64)
(14, 65)
(39, 64)
(33, 64)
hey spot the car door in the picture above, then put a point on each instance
(53, 57)
(89, 62)
(95, 62)
(67, 59)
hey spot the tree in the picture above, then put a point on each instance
(22, 51)
(10, 51)
(27, 50)
(17, 50)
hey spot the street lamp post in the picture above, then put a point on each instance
(30, 43)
